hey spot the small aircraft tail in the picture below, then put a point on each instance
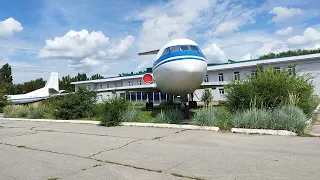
(53, 81)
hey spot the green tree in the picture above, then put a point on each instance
(3, 99)
(6, 74)
(80, 104)
(207, 97)
(271, 89)
(290, 53)
(6, 78)
(96, 76)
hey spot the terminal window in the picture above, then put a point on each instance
(221, 91)
(220, 77)
(236, 76)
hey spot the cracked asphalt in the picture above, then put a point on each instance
(48, 150)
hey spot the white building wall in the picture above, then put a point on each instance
(303, 67)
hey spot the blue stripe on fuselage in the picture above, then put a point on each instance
(177, 54)
(178, 59)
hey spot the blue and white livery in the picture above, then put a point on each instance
(180, 67)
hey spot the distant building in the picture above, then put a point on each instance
(218, 74)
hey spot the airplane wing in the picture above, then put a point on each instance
(149, 52)
(139, 88)
(213, 85)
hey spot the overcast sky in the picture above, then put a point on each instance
(105, 36)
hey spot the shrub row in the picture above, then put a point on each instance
(288, 117)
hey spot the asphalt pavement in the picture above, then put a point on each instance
(47, 150)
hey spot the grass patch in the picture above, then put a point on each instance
(213, 116)
(288, 117)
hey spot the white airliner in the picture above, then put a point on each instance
(179, 68)
(50, 89)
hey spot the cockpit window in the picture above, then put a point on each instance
(194, 48)
(174, 48)
(184, 48)
(165, 51)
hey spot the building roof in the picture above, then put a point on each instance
(230, 64)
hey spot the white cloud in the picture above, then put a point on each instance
(248, 56)
(118, 50)
(83, 50)
(285, 31)
(309, 35)
(74, 45)
(214, 54)
(227, 27)
(9, 26)
(176, 19)
(283, 13)
(244, 45)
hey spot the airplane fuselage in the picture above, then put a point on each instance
(180, 67)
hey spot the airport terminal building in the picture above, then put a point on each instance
(131, 85)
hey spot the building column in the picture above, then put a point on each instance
(153, 97)
(160, 97)
(130, 96)
(136, 96)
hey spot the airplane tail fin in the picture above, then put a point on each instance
(53, 81)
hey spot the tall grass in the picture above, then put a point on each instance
(131, 115)
(169, 115)
(31, 111)
(212, 116)
(287, 117)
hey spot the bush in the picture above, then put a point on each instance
(112, 110)
(252, 119)
(212, 116)
(131, 115)
(288, 117)
(80, 104)
(170, 115)
(271, 89)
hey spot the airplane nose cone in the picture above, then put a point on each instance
(180, 77)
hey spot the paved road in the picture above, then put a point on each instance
(42, 150)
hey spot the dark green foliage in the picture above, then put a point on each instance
(6, 74)
(207, 96)
(76, 105)
(290, 53)
(96, 76)
(269, 89)
(112, 110)
(3, 99)
(27, 87)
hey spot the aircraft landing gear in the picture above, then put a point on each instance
(185, 106)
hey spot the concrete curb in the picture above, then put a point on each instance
(315, 134)
(51, 120)
(264, 131)
(175, 126)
